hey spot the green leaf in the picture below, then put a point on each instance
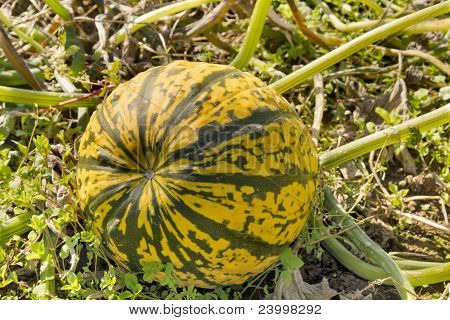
(108, 281)
(64, 253)
(421, 93)
(6, 126)
(169, 278)
(131, 282)
(42, 145)
(41, 291)
(4, 283)
(290, 260)
(5, 171)
(11, 278)
(286, 275)
(151, 270)
(39, 197)
(113, 72)
(3, 271)
(383, 114)
(47, 270)
(71, 50)
(73, 282)
(70, 243)
(22, 148)
(371, 127)
(393, 188)
(125, 295)
(444, 93)
(37, 222)
(74, 47)
(37, 251)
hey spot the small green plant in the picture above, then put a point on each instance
(290, 262)
(390, 118)
(397, 195)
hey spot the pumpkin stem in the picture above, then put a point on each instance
(419, 277)
(47, 99)
(357, 44)
(15, 226)
(59, 9)
(368, 247)
(154, 15)
(253, 34)
(385, 137)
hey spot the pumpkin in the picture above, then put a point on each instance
(198, 165)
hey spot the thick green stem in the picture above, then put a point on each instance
(12, 78)
(45, 99)
(393, 6)
(59, 9)
(385, 137)
(351, 262)
(357, 44)
(427, 276)
(4, 19)
(368, 247)
(253, 34)
(14, 226)
(415, 265)
(154, 15)
(34, 62)
(372, 5)
(17, 62)
(428, 26)
(417, 278)
(437, 25)
(19, 225)
(47, 269)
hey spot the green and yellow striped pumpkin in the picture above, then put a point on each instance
(198, 165)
